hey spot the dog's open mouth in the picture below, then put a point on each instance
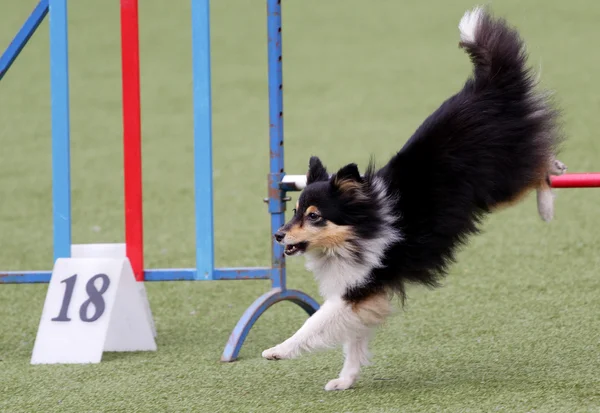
(293, 249)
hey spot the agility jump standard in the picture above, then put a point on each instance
(61, 193)
(278, 182)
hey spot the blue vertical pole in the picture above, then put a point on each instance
(61, 157)
(276, 204)
(202, 139)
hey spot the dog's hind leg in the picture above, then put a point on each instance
(545, 196)
(356, 353)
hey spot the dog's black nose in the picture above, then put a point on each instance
(279, 236)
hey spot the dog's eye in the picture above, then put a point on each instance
(312, 216)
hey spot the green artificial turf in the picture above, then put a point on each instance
(516, 326)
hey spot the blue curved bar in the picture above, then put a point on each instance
(259, 306)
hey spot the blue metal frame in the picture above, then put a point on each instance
(276, 197)
(61, 147)
(205, 269)
(23, 36)
(202, 139)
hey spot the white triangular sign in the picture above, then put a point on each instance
(113, 250)
(92, 305)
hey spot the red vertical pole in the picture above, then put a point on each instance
(132, 141)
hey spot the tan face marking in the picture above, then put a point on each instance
(312, 209)
(331, 235)
(328, 236)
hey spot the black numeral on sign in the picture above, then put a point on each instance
(95, 298)
(94, 294)
(64, 308)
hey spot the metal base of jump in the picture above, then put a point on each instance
(260, 305)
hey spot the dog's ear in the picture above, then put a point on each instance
(316, 171)
(348, 180)
(348, 173)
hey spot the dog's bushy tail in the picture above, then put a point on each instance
(500, 65)
(496, 50)
(486, 146)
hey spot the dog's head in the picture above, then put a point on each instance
(330, 214)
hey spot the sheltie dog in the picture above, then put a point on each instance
(366, 236)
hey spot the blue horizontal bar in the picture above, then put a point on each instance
(176, 274)
(243, 273)
(21, 277)
(23, 36)
(189, 274)
(171, 274)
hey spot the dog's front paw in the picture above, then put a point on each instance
(276, 353)
(339, 384)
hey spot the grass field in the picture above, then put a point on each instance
(516, 326)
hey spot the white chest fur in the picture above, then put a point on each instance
(335, 274)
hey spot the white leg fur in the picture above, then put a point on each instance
(545, 196)
(545, 203)
(356, 352)
(333, 324)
